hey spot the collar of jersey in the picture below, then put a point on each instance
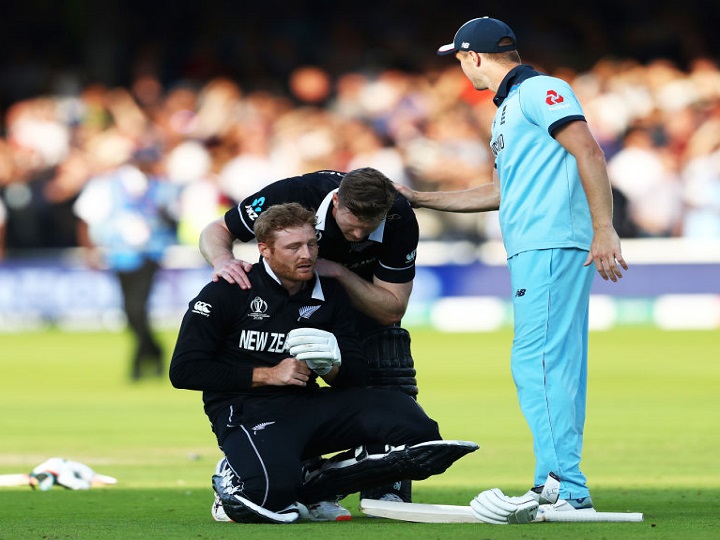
(317, 293)
(514, 77)
(322, 213)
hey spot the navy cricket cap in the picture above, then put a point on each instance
(481, 35)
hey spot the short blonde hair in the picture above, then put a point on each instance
(280, 217)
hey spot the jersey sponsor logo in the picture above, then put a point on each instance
(553, 98)
(202, 308)
(555, 101)
(410, 257)
(255, 340)
(258, 307)
(254, 208)
(307, 311)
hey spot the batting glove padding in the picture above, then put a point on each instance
(318, 348)
(493, 506)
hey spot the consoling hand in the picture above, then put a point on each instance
(233, 271)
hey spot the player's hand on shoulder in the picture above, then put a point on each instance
(406, 192)
(233, 271)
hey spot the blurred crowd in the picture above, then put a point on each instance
(214, 142)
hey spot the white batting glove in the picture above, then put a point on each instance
(493, 506)
(318, 348)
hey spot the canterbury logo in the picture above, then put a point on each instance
(202, 308)
(261, 426)
(307, 311)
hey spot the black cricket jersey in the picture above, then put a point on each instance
(388, 252)
(228, 331)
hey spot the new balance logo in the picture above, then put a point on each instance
(519, 292)
(307, 311)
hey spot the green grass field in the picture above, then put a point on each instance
(651, 440)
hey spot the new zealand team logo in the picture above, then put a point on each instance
(307, 311)
(258, 307)
(553, 98)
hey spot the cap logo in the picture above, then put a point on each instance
(465, 45)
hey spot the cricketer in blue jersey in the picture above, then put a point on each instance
(555, 207)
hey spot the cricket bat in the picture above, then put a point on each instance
(444, 513)
(418, 513)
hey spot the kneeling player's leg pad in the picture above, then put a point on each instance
(391, 363)
(343, 474)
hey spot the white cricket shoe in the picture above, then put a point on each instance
(327, 511)
(217, 511)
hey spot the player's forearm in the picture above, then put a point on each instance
(216, 243)
(371, 299)
(595, 181)
(478, 199)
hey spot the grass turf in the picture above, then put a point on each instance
(650, 440)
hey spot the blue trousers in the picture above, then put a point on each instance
(551, 295)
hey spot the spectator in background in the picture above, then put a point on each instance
(127, 218)
(645, 176)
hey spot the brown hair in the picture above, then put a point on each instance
(367, 193)
(280, 217)
(508, 57)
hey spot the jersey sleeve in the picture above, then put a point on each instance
(240, 220)
(549, 102)
(396, 261)
(196, 362)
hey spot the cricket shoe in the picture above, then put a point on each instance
(222, 478)
(365, 467)
(325, 511)
(581, 506)
(235, 507)
(217, 511)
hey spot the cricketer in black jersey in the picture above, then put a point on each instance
(228, 331)
(266, 409)
(388, 253)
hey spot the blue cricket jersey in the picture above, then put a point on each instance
(543, 204)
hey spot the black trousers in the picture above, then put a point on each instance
(267, 440)
(136, 286)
